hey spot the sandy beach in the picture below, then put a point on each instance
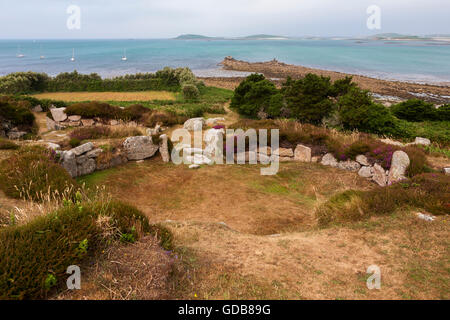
(278, 71)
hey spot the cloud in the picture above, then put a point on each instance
(168, 18)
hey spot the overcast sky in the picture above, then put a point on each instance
(34, 19)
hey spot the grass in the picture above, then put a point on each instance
(107, 96)
(102, 132)
(33, 173)
(6, 144)
(429, 192)
(39, 252)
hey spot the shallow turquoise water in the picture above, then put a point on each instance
(415, 61)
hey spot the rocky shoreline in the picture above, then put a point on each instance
(278, 71)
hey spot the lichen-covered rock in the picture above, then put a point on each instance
(164, 148)
(400, 162)
(194, 124)
(51, 125)
(329, 160)
(74, 118)
(58, 114)
(139, 148)
(15, 134)
(284, 152)
(379, 175)
(362, 160)
(86, 167)
(87, 122)
(422, 141)
(302, 153)
(349, 165)
(37, 108)
(213, 121)
(94, 153)
(366, 172)
(53, 146)
(83, 148)
(69, 162)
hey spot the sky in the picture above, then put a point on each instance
(47, 19)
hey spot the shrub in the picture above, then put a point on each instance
(190, 92)
(32, 173)
(308, 98)
(74, 142)
(165, 118)
(16, 112)
(95, 109)
(36, 255)
(428, 191)
(414, 110)
(99, 132)
(252, 95)
(23, 82)
(443, 113)
(6, 144)
(357, 111)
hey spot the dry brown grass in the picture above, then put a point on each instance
(244, 236)
(126, 272)
(318, 264)
(107, 96)
(236, 195)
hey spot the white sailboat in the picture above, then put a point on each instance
(73, 55)
(124, 58)
(42, 56)
(19, 54)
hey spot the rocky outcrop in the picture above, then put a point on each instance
(329, 160)
(139, 148)
(379, 175)
(349, 165)
(366, 172)
(362, 160)
(58, 114)
(214, 121)
(164, 147)
(399, 164)
(80, 160)
(194, 124)
(302, 153)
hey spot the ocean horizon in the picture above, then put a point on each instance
(415, 61)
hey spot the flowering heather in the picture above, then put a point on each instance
(219, 126)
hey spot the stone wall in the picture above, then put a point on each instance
(86, 159)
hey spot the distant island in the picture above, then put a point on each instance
(376, 37)
(251, 37)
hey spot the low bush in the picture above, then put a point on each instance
(428, 191)
(190, 92)
(33, 173)
(357, 111)
(443, 113)
(17, 112)
(253, 95)
(36, 255)
(95, 109)
(415, 110)
(99, 132)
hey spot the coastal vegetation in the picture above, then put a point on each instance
(340, 104)
(49, 220)
(167, 79)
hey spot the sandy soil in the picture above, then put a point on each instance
(279, 70)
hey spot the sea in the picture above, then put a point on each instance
(415, 61)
